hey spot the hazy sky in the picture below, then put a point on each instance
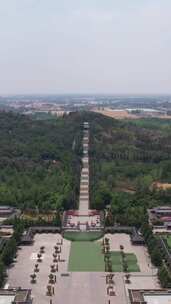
(85, 46)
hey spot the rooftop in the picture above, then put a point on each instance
(5, 207)
(14, 296)
(162, 208)
(160, 296)
(157, 299)
(7, 299)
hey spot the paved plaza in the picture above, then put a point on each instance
(19, 274)
(144, 262)
(83, 287)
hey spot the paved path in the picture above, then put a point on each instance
(84, 180)
(84, 219)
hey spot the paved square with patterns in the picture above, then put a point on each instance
(83, 287)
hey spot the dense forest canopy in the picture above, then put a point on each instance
(39, 161)
(127, 157)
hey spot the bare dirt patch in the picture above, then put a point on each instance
(117, 114)
(126, 190)
(124, 114)
(161, 186)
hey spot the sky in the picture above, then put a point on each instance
(85, 46)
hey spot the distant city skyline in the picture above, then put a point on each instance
(115, 47)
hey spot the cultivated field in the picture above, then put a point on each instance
(124, 114)
(120, 114)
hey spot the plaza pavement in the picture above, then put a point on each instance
(141, 252)
(19, 274)
(81, 287)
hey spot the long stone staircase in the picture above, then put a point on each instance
(83, 219)
(84, 180)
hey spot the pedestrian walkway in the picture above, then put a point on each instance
(84, 180)
(83, 219)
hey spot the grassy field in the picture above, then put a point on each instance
(132, 262)
(116, 261)
(168, 239)
(86, 256)
(83, 236)
(117, 265)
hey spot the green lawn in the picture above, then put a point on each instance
(83, 236)
(117, 262)
(86, 256)
(132, 262)
(168, 239)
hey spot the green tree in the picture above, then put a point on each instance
(156, 257)
(2, 273)
(9, 251)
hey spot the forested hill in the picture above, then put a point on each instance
(39, 161)
(126, 158)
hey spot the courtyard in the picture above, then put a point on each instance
(121, 239)
(79, 270)
(88, 256)
(20, 272)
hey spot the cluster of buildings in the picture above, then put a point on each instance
(15, 296)
(7, 212)
(149, 296)
(6, 231)
(12, 295)
(160, 218)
